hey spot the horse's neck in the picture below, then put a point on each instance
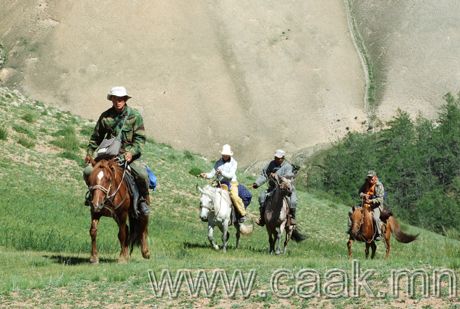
(221, 203)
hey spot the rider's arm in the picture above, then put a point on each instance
(263, 177)
(136, 145)
(377, 199)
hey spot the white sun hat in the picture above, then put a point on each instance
(117, 92)
(226, 150)
(280, 153)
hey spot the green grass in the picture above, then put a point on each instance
(24, 130)
(45, 244)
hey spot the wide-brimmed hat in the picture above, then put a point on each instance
(280, 153)
(226, 150)
(118, 92)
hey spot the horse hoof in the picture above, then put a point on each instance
(94, 260)
(278, 252)
(216, 247)
(146, 255)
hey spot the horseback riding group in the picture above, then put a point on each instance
(118, 186)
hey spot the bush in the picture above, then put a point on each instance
(26, 142)
(3, 134)
(24, 130)
(29, 117)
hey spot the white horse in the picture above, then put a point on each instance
(216, 208)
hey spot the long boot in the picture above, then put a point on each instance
(292, 215)
(144, 200)
(261, 220)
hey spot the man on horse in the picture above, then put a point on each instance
(282, 168)
(127, 123)
(371, 193)
(225, 171)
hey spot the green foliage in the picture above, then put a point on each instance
(3, 133)
(26, 142)
(418, 162)
(72, 156)
(24, 130)
(195, 171)
(29, 117)
(87, 131)
(188, 155)
(67, 139)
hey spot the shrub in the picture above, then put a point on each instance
(3, 134)
(24, 130)
(26, 142)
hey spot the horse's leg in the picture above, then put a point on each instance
(224, 235)
(373, 247)
(279, 231)
(271, 241)
(123, 237)
(349, 244)
(288, 237)
(144, 228)
(238, 233)
(387, 240)
(367, 249)
(211, 236)
(94, 259)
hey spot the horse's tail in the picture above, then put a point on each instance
(297, 236)
(137, 226)
(400, 236)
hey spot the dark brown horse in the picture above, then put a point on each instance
(362, 229)
(277, 215)
(111, 198)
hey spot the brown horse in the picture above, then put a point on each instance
(277, 215)
(362, 229)
(111, 198)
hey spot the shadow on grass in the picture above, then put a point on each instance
(73, 260)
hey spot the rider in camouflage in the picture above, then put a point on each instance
(127, 120)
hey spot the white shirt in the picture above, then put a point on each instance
(227, 170)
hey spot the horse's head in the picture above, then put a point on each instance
(102, 183)
(206, 202)
(282, 183)
(357, 218)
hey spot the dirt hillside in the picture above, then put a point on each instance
(259, 75)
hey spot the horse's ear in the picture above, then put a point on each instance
(92, 161)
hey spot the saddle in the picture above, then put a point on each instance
(133, 190)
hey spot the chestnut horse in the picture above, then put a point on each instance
(111, 198)
(362, 229)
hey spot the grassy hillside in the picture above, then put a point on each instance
(44, 248)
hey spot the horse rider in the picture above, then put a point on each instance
(121, 118)
(372, 194)
(225, 171)
(282, 168)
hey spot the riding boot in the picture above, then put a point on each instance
(144, 200)
(292, 215)
(144, 203)
(261, 220)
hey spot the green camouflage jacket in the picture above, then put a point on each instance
(132, 132)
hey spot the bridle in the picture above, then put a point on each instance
(213, 202)
(109, 197)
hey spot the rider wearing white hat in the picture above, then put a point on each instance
(225, 172)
